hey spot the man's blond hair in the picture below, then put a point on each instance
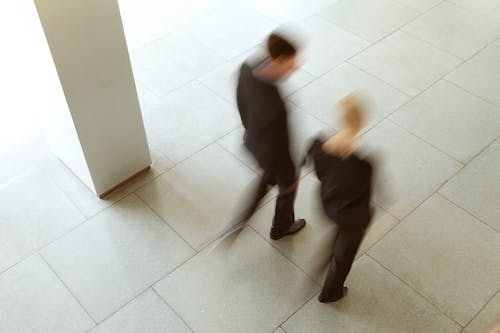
(352, 111)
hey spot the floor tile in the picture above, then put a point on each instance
(279, 330)
(147, 313)
(33, 213)
(328, 46)
(296, 81)
(160, 164)
(405, 62)
(182, 124)
(115, 255)
(321, 96)
(487, 7)
(172, 61)
(488, 317)
(377, 301)
(442, 236)
(32, 299)
(184, 197)
(246, 281)
(233, 143)
(232, 30)
(475, 123)
(20, 148)
(147, 100)
(455, 30)
(84, 198)
(370, 19)
(420, 5)
(477, 186)
(286, 11)
(311, 248)
(481, 74)
(406, 172)
(148, 20)
(223, 79)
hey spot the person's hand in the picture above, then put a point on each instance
(245, 136)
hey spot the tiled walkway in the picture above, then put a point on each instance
(140, 261)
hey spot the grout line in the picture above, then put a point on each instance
(471, 93)
(347, 30)
(171, 308)
(466, 165)
(67, 288)
(398, 28)
(255, 171)
(475, 11)
(164, 221)
(202, 148)
(272, 244)
(415, 135)
(415, 291)
(303, 109)
(468, 213)
(298, 309)
(403, 218)
(443, 77)
(44, 246)
(383, 237)
(142, 291)
(180, 28)
(232, 103)
(417, 10)
(348, 61)
(87, 220)
(435, 47)
(482, 308)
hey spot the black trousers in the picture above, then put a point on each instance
(346, 246)
(282, 174)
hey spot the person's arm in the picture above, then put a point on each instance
(242, 108)
(241, 101)
(311, 151)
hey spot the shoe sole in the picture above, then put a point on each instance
(276, 237)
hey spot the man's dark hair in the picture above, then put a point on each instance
(279, 46)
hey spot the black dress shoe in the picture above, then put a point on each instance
(325, 299)
(294, 228)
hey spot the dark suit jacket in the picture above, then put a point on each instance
(264, 116)
(346, 187)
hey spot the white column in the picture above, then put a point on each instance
(102, 137)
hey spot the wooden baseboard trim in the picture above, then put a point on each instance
(135, 175)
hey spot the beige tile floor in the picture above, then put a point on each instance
(141, 260)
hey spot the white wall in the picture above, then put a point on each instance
(88, 47)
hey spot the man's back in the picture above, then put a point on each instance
(263, 114)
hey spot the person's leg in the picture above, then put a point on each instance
(240, 221)
(284, 217)
(266, 180)
(344, 251)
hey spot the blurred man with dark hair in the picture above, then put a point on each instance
(264, 117)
